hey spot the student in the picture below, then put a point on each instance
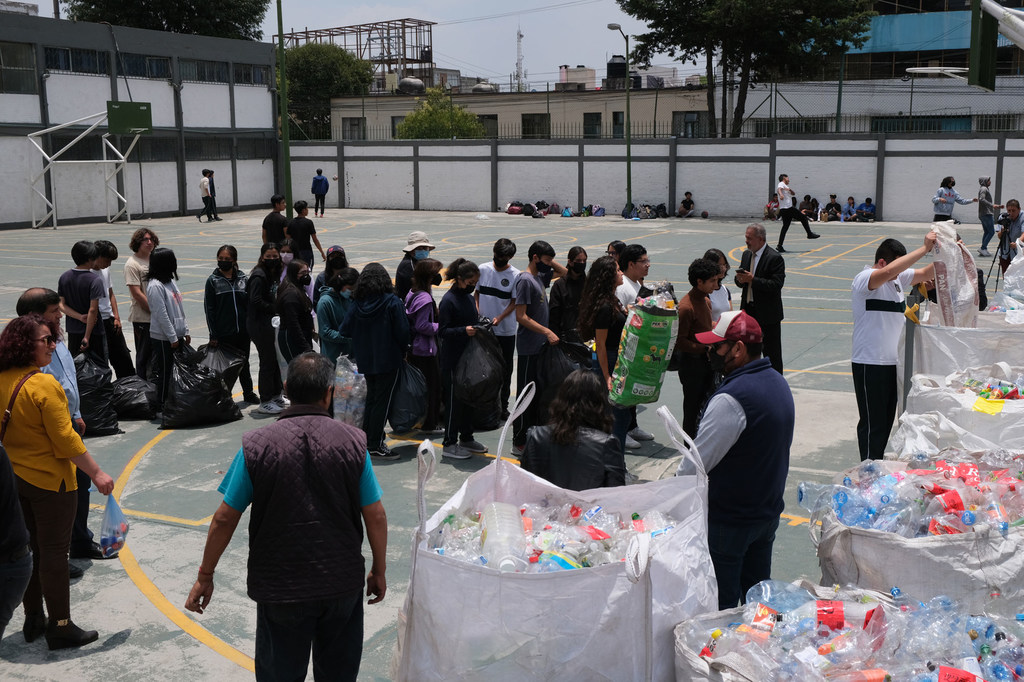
(832, 210)
(945, 199)
(721, 297)
(417, 247)
(495, 300)
(457, 317)
(564, 306)
(334, 305)
(694, 311)
(423, 319)
(295, 335)
(275, 223)
(866, 211)
(301, 231)
(204, 193)
(319, 191)
(771, 209)
(849, 210)
(117, 350)
(335, 262)
(226, 304)
(167, 326)
(80, 290)
(686, 206)
(262, 290)
(142, 243)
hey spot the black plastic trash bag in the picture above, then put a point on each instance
(223, 359)
(196, 394)
(95, 392)
(578, 353)
(487, 417)
(135, 398)
(553, 366)
(479, 372)
(409, 400)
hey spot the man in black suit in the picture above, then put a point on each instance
(761, 276)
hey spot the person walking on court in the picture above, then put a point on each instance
(319, 190)
(945, 199)
(204, 193)
(788, 211)
(986, 214)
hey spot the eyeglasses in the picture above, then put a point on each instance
(48, 339)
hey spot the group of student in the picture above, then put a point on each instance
(810, 208)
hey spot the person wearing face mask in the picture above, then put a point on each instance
(494, 300)
(564, 308)
(334, 305)
(262, 288)
(946, 198)
(457, 316)
(422, 313)
(295, 335)
(1010, 231)
(288, 254)
(417, 248)
(694, 311)
(335, 262)
(226, 302)
(743, 440)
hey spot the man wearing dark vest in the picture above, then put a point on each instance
(743, 441)
(312, 487)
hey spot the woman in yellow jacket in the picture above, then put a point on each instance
(44, 449)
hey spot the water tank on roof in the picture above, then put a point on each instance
(411, 86)
(617, 66)
(484, 88)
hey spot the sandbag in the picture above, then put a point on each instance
(553, 366)
(409, 400)
(135, 398)
(481, 369)
(95, 391)
(956, 279)
(223, 359)
(644, 350)
(611, 622)
(196, 394)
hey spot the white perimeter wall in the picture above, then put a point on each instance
(728, 178)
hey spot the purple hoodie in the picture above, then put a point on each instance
(420, 309)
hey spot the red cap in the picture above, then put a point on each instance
(734, 325)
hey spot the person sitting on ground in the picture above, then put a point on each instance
(850, 210)
(686, 207)
(866, 211)
(831, 211)
(771, 209)
(808, 208)
(576, 449)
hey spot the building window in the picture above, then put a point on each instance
(144, 66)
(997, 123)
(618, 125)
(686, 124)
(207, 148)
(255, 148)
(203, 71)
(89, 148)
(536, 126)
(156, 149)
(252, 74)
(17, 69)
(353, 128)
(77, 61)
(395, 121)
(921, 124)
(592, 126)
(490, 123)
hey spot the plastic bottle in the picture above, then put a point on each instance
(811, 496)
(502, 536)
(778, 595)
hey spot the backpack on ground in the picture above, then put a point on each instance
(567, 212)
(529, 209)
(662, 211)
(598, 211)
(515, 208)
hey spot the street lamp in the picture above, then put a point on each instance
(629, 170)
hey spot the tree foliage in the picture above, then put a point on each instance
(239, 19)
(759, 40)
(316, 73)
(437, 117)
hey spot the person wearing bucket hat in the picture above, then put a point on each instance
(743, 440)
(417, 248)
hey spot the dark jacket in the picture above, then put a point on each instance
(564, 307)
(595, 461)
(13, 533)
(748, 484)
(767, 284)
(456, 312)
(305, 529)
(330, 313)
(262, 296)
(226, 303)
(379, 331)
(403, 276)
(296, 310)
(320, 185)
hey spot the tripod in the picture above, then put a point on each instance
(1004, 241)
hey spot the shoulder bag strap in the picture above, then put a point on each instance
(10, 405)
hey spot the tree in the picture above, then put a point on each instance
(437, 117)
(760, 40)
(239, 19)
(316, 73)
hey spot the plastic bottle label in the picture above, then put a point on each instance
(830, 613)
(951, 501)
(947, 674)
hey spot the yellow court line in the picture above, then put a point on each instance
(150, 590)
(795, 520)
(160, 517)
(818, 371)
(812, 322)
(842, 254)
(401, 440)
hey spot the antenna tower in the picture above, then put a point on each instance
(520, 75)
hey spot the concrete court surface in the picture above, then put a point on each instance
(167, 480)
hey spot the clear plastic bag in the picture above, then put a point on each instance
(114, 529)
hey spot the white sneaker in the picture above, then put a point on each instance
(269, 407)
(473, 446)
(640, 434)
(456, 452)
(282, 401)
(984, 253)
(631, 443)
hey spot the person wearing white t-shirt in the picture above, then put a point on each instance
(635, 264)
(494, 300)
(117, 350)
(788, 211)
(878, 305)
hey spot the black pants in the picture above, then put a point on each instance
(270, 383)
(877, 398)
(97, 343)
(787, 217)
(432, 373)
(286, 632)
(81, 536)
(49, 516)
(458, 422)
(117, 350)
(291, 346)
(697, 380)
(207, 209)
(143, 349)
(379, 389)
(526, 371)
(213, 207)
(318, 204)
(508, 352)
(742, 555)
(163, 356)
(240, 343)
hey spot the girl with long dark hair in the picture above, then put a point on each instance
(295, 335)
(168, 328)
(226, 303)
(422, 312)
(263, 283)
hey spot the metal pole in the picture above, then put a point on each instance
(911, 112)
(286, 157)
(629, 159)
(839, 95)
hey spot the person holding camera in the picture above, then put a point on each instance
(1010, 231)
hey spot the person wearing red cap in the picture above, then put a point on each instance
(743, 441)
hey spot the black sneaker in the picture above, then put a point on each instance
(780, 249)
(813, 235)
(384, 454)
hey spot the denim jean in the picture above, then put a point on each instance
(285, 634)
(14, 579)
(988, 227)
(742, 555)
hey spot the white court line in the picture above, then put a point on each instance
(790, 375)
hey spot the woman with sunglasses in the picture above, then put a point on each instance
(43, 445)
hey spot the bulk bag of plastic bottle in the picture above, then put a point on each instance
(956, 279)
(644, 351)
(349, 393)
(463, 621)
